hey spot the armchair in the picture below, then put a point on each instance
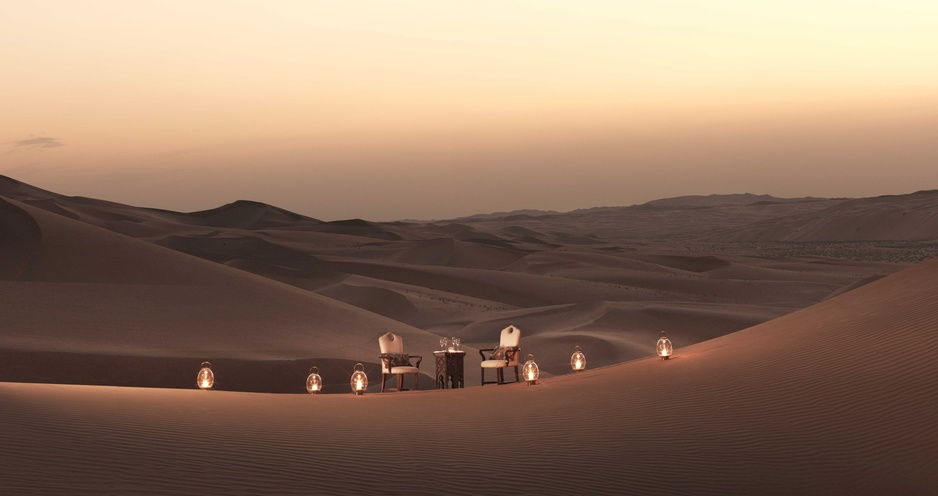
(395, 362)
(504, 356)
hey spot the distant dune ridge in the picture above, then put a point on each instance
(802, 335)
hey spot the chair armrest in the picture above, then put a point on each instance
(483, 354)
(384, 359)
(512, 354)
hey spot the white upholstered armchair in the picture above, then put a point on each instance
(504, 356)
(395, 362)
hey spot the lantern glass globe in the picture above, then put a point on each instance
(314, 381)
(359, 381)
(664, 348)
(206, 378)
(530, 370)
(578, 360)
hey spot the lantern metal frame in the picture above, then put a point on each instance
(359, 375)
(313, 380)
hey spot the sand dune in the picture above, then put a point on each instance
(88, 293)
(250, 215)
(665, 221)
(454, 253)
(447, 279)
(837, 398)
(827, 390)
(897, 217)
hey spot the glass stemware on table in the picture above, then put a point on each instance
(449, 344)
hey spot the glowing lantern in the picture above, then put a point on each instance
(578, 360)
(314, 382)
(664, 346)
(206, 378)
(359, 380)
(530, 370)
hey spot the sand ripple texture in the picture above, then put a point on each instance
(838, 398)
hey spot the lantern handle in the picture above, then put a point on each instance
(529, 357)
(314, 370)
(357, 365)
(206, 365)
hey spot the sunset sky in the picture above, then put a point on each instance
(433, 109)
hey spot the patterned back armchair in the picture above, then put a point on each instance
(505, 355)
(395, 362)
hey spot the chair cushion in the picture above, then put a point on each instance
(500, 353)
(404, 370)
(399, 360)
(494, 364)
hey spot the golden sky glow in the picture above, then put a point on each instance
(431, 109)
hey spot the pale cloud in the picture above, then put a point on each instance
(39, 142)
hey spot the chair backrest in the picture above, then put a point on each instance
(511, 336)
(391, 343)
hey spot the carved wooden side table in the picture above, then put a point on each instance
(449, 369)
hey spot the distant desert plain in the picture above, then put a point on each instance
(804, 330)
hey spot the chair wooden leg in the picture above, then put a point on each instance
(400, 382)
(483, 376)
(517, 377)
(384, 377)
(501, 376)
(417, 381)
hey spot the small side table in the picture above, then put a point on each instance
(449, 369)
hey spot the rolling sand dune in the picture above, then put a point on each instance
(827, 390)
(87, 293)
(837, 398)
(454, 253)
(250, 215)
(466, 279)
(669, 220)
(902, 217)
